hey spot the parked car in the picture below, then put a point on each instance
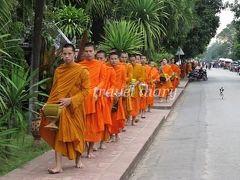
(234, 66)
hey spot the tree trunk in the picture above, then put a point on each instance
(35, 58)
(97, 30)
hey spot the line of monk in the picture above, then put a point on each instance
(99, 96)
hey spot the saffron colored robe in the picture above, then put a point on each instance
(138, 76)
(118, 117)
(149, 81)
(70, 81)
(127, 102)
(110, 79)
(155, 79)
(143, 98)
(93, 107)
(167, 86)
(177, 73)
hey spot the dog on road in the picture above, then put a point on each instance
(221, 92)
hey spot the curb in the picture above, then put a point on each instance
(171, 103)
(136, 160)
(129, 171)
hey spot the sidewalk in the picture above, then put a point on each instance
(115, 162)
(172, 100)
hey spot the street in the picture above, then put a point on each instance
(201, 137)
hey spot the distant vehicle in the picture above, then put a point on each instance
(198, 74)
(225, 62)
(234, 66)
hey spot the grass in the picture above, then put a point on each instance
(25, 152)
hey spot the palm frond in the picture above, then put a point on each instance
(147, 15)
(123, 36)
(99, 8)
(15, 92)
(72, 21)
(5, 13)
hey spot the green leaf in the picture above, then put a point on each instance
(123, 36)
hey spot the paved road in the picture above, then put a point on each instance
(201, 138)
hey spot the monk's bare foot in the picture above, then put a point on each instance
(124, 130)
(113, 139)
(55, 170)
(102, 147)
(117, 138)
(91, 156)
(79, 164)
(136, 120)
(95, 148)
(133, 122)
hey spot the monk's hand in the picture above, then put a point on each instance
(64, 102)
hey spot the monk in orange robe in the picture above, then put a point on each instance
(127, 103)
(183, 70)
(151, 86)
(93, 102)
(188, 68)
(167, 72)
(155, 80)
(70, 87)
(137, 78)
(110, 78)
(118, 115)
(177, 73)
(144, 86)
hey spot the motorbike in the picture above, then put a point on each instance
(198, 74)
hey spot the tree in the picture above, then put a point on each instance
(235, 7)
(178, 23)
(71, 20)
(100, 11)
(224, 45)
(35, 60)
(147, 14)
(204, 27)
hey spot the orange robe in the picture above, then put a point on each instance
(94, 115)
(183, 68)
(177, 73)
(188, 68)
(70, 81)
(137, 75)
(118, 117)
(143, 98)
(152, 91)
(110, 80)
(127, 103)
(167, 86)
(149, 81)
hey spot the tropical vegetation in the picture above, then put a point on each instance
(31, 32)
